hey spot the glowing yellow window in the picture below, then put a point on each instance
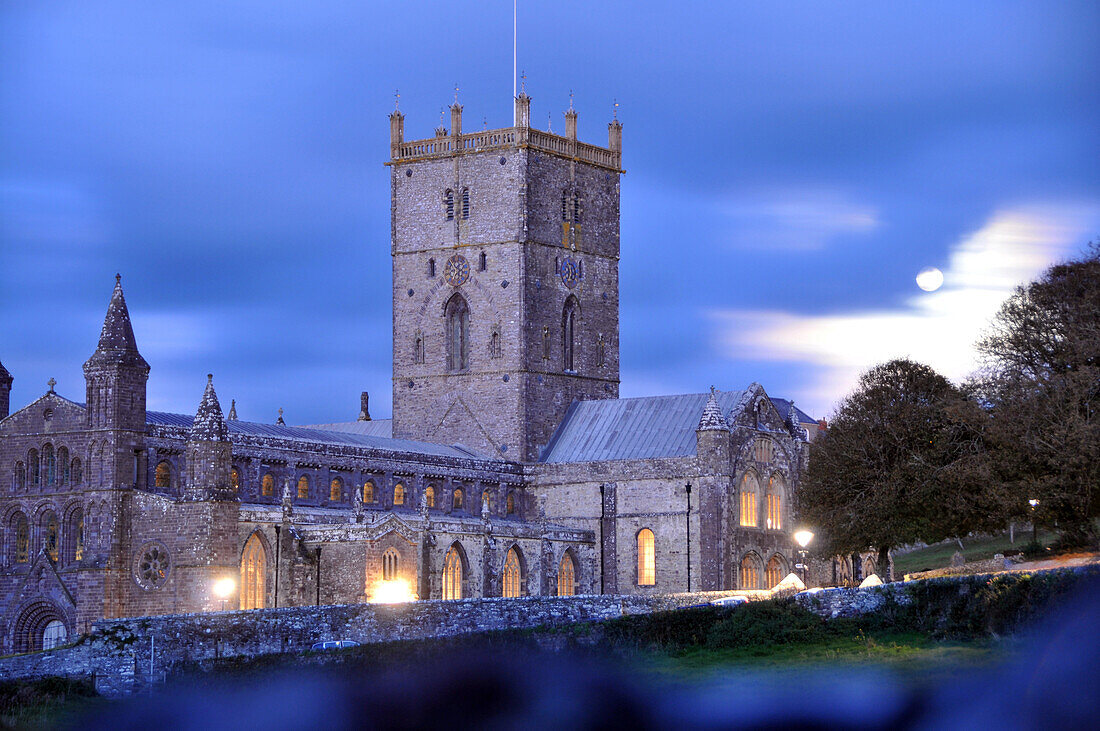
(253, 574)
(390, 558)
(452, 574)
(567, 576)
(510, 504)
(164, 475)
(512, 575)
(336, 490)
(456, 500)
(429, 496)
(267, 486)
(234, 479)
(399, 494)
(748, 501)
(750, 572)
(773, 574)
(303, 487)
(646, 558)
(368, 492)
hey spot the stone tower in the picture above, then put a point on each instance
(5, 391)
(505, 248)
(115, 377)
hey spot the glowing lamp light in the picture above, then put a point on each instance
(396, 591)
(803, 538)
(1033, 502)
(224, 587)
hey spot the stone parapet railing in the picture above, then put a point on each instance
(508, 137)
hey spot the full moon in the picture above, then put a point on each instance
(930, 279)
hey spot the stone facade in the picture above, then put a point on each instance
(487, 482)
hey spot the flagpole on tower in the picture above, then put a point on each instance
(514, 49)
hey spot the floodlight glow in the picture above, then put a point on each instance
(396, 591)
(1033, 502)
(803, 537)
(224, 587)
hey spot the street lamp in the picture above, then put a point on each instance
(803, 538)
(1034, 530)
(223, 589)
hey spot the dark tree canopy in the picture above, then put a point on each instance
(1041, 382)
(900, 462)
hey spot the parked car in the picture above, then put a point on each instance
(730, 601)
(334, 644)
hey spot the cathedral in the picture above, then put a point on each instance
(510, 467)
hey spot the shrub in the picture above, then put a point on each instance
(766, 623)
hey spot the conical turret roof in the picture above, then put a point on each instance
(712, 418)
(116, 341)
(209, 424)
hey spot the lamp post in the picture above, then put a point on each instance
(223, 589)
(803, 538)
(1034, 530)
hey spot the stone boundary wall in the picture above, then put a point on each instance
(984, 566)
(126, 654)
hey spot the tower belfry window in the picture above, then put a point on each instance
(576, 207)
(569, 323)
(457, 332)
(465, 203)
(449, 204)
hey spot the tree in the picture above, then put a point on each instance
(900, 462)
(1041, 383)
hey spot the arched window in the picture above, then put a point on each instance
(336, 490)
(487, 499)
(74, 536)
(773, 504)
(465, 203)
(63, 467)
(303, 487)
(600, 350)
(431, 267)
(449, 204)
(452, 574)
(368, 492)
(49, 465)
(749, 495)
(53, 531)
(510, 504)
(399, 494)
(34, 468)
(235, 479)
(418, 347)
(567, 575)
(456, 499)
(774, 572)
(482, 262)
(21, 529)
(458, 325)
(253, 574)
(267, 485)
(163, 477)
(77, 473)
(390, 558)
(750, 572)
(429, 496)
(646, 558)
(546, 343)
(513, 579)
(54, 634)
(19, 479)
(763, 450)
(494, 344)
(568, 330)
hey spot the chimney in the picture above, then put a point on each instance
(364, 411)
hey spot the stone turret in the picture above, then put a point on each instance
(713, 434)
(5, 391)
(571, 121)
(209, 453)
(523, 110)
(364, 406)
(116, 374)
(232, 410)
(456, 119)
(615, 136)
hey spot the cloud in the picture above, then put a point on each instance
(938, 328)
(795, 220)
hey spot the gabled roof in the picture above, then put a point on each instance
(307, 434)
(783, 406)
(632, 428)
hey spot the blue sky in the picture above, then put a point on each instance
(791, 167)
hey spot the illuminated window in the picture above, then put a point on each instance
(429, 496)
(267, 485)
(456, 499)
(567, 575)
(774, 572)
(34, 468)
(486, 499)
(452, 574)
(235, 479)
(646, 558)
(568, 327)
(336, 490)
(19, 481)
(458, 325)
(253, 574)
(389, 564)
(22, 538)
(77, 472)
(510, 504)
(749, 492)
(512, 575)
(764, 450)
(54, 634)
(49, 465)
(399, 494)
(303, 487)
(52, 531)
(163, 475)
(773, 504)
(449, 204)
(75, 534)
(368, 492)
(63, 467)
(750, 572)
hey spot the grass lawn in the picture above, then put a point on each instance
(974, 549)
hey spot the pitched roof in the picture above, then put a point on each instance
(632, 428)
(209, 424)
(783, 406)
(321, 436)
(373, 428)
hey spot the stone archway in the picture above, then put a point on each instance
(31, 624)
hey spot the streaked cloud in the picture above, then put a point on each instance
(794, 219)
(938, 328)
